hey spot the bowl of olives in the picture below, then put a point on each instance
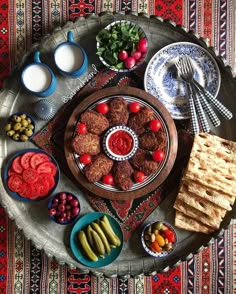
(158, 238)
(20, 127)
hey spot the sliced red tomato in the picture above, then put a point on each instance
(38, 158)
(30, 175)
(28, 191)
(16, 165)
(25, 159)
(42, 188)
(15, 183)
(47, 167)
(47, 178)
(11, 172)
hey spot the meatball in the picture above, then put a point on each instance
(123, 172)
(99, 167)
(153, 140)
(118, 112)
(86, 144)
(143, 161)
(139, 121)
(96, 122)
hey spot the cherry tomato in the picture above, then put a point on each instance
(129, 62)
(136, 54)
(134, 107)
(81, 129)
(102, 108)
(158, 155)
(155, 125)
(139, 176)
(85, 158)
(142, 45)
(108, 179)
(169, 235)
(155, 246)
(123, 55)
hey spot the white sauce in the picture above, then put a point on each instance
(37, 78)
(69, 58)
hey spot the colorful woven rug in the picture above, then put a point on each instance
(24, 269)
(131, 213)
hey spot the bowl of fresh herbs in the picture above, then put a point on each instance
(122, 46)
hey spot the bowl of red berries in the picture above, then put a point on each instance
(122, 46)
(64, 208)
(158, 238)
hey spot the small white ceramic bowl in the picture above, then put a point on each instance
(121, 139)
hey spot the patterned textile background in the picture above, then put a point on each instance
(25, 269)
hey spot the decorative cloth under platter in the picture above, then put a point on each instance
(162, 81)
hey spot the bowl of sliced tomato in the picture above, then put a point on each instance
(31, 174)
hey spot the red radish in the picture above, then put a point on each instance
(129, 62)
(136, 54)
(142, 45)
(123, 55)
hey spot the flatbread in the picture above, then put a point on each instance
(182, 221)
(219, 198)
(196, 214)
(212, 163)
(201, 204)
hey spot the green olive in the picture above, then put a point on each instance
(30, 126)
(23, 116)
(28, 132)
(7, 127)
(22, 129)
(16, 137)
(16, 126)
(28, 120)
(24, 138)
(24, 123)
(10, 133)
(16, 118)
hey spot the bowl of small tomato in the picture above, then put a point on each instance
(158, 239)
(122, 46)
(64, 208)
(31, 175)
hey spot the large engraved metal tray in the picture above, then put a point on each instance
(32, 218)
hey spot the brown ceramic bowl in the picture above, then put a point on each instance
(151, 182)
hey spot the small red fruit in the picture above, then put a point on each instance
(155, 125)
(85, 158)
(142, 45)
(81, 129)
(102, 108)
(158, 155)
(129, 62)
(136, 54)
(134, 107)
(108, 179)
(123, 55)
(139, 176)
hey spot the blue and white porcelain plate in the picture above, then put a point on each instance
(161, 79)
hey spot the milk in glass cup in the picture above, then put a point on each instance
(70, 58)
(38, 78)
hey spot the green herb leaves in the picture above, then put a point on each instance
(121, 36)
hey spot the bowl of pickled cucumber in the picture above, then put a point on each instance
(158, 238)
(20, 127)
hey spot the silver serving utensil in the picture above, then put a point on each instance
(187, 75)
(224, 111)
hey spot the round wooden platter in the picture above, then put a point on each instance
(99, 190)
